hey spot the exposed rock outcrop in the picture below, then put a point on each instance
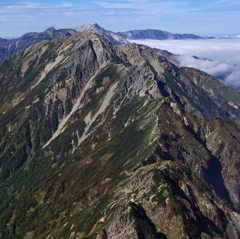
(104, 141)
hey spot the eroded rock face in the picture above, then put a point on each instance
(114, 142)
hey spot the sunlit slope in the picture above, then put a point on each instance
(99, 141)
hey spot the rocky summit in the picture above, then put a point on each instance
(109, 35)
(115, 142)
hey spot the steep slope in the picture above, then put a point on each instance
(109, 35)
(168, 55)
(100, 141)
(155, 34)
(213, 86)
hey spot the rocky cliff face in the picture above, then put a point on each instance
(104, 141)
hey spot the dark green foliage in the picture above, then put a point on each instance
(63, 76)
(23, 136)
(173, 83)
(160, 198)
(31, 65)
(54, 121)
(17, 152)
(46, 132)
(43, 189)
(68, 105)
(2, 147)
(3, 130)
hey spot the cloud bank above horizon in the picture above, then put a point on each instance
(218, 57)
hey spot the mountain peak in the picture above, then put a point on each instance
(50, 29)
(87, 28)
(111, 36)
(97, 26)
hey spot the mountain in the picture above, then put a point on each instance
(28, 39)
(169, 56)
(3, 42)
(156, 35)
(9, 47)
(109, 35)
(104, 141)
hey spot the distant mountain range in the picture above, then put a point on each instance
(9, 47)
(156, 34)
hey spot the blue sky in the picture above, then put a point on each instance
(204, 18)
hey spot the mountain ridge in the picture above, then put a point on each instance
(30, 38)
(156, 35)
(142, 150)
(109, 35)
(8, 47)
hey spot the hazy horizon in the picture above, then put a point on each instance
(204, 35)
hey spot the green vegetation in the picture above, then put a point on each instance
(66, 188)
(173, 83)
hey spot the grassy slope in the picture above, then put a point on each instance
(42, 190)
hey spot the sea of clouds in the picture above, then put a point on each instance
(218, 57)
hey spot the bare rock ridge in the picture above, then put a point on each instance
(89, 28)
(109, 35)
(114, 142)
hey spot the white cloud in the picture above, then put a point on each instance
(218, 57)
(115, 5)
(19, 6)
(233, 78)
